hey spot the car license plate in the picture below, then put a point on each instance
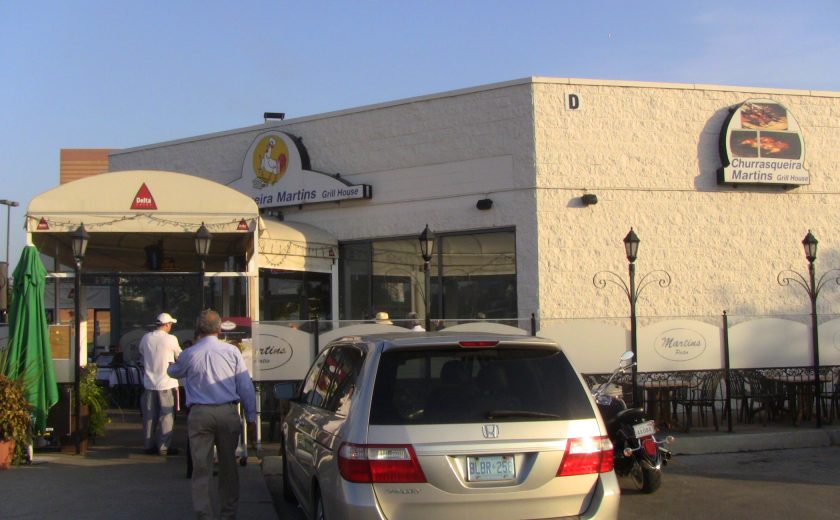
(490, 467)
(644, 429)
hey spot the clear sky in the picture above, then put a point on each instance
(118, 74)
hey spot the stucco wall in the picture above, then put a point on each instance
(428, 160)
(650, 154)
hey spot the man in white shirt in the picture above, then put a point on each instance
(158, 349)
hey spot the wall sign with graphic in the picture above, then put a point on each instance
(761, 143)
(276, 173)
(680, 344)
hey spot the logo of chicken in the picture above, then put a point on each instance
(270, 160)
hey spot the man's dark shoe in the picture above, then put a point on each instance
(150, 451)
(170, 451)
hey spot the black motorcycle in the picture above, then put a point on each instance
(639, 454)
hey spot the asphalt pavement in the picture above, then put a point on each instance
(115, 479)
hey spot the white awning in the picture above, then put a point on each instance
(295, 246)
(142, 201)
(127, 212)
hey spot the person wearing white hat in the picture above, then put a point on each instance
(382, 318)
(157, 349)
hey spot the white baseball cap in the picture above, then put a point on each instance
(164, 318)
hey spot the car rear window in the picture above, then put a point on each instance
(459, 385)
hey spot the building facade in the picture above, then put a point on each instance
(530, 187)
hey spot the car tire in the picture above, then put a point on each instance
(288, 495)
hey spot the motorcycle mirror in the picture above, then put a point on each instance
(626, 357)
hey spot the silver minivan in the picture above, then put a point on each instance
(446, 425)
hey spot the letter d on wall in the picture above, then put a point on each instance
(572, 102)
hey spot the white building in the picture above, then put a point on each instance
(499, 173)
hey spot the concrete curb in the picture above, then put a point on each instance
(730, 443)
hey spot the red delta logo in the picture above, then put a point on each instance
(42, 224)
(143, 199)
(243, 226)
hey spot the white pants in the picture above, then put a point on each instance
(158, 407)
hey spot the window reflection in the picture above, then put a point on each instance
(473, 277)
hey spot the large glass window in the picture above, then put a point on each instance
(473, 277)
(294, 295)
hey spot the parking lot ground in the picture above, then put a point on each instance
(769, 484)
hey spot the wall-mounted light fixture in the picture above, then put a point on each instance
(589, 199)
(274, 115)
(484, 204)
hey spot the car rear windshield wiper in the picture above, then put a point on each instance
(497, 414)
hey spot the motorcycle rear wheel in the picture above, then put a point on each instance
(645, 480)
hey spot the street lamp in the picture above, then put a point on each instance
(427, 248)
(633, 291)
(9, 205)
(79, 240)
(4, 286)
(812, 288)
(202, 248)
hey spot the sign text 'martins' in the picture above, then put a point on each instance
(276, 173)
(761, 143)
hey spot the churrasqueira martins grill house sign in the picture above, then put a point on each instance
(761, 143)
(277, 173)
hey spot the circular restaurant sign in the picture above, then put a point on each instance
(274, 352)
(680, 344)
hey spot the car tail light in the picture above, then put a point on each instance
(650, 447)
(477, 344)
(379, 464)
(587, 455)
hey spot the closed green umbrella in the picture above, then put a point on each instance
(29, 355)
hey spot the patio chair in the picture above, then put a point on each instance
(764, 396)
(702, 396)
(739, 397)
(831, 396)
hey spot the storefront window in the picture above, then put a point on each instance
(294, 295)
(476, 271)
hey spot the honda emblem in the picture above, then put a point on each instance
(490, 431)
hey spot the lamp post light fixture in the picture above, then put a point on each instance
(812, 287)
(633, 291)
(203, 237)
(427, 249)
(79, 239)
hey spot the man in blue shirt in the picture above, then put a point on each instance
(215, 380)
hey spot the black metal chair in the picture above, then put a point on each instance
(764, 396)
(702, 396)
(129, 386)
(739, 397)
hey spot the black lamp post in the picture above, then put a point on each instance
(202, 248)
(662, 278)
(4, 284)
(80, 241)
(812, 288)
(9, 205)
(427, 248)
